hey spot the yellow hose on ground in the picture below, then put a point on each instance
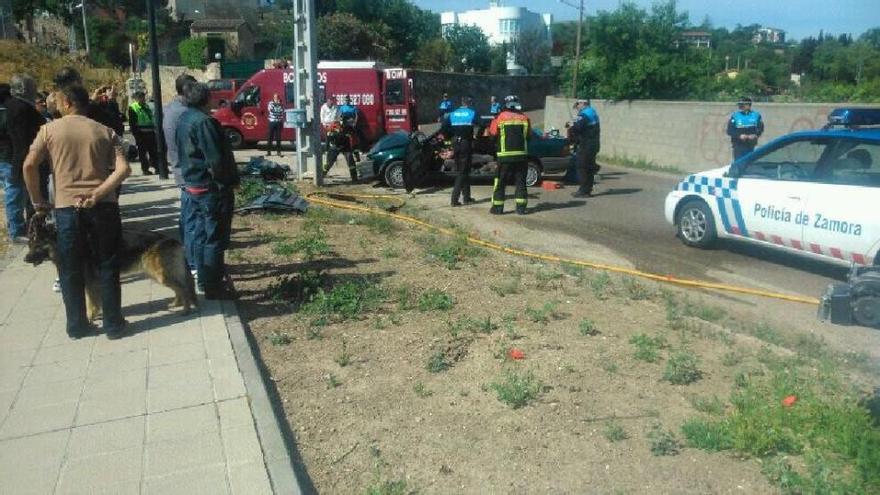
(320, 198)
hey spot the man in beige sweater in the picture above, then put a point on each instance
(88, 165)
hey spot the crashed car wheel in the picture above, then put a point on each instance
(533, 174)
(236, 140)
(394, 175)
(696, 225)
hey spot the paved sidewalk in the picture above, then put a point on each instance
(164, 410)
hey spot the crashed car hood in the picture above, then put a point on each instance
(397, 140)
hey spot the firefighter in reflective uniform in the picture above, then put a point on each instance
(339, 140)
(511, 131)
(460, 125)
(744, 128)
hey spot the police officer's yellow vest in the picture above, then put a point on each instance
(144, 116)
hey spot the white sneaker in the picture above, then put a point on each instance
(56, 286)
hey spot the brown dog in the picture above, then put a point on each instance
(160, 258)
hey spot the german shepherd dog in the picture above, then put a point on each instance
(158, 257)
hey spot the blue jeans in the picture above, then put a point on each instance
(210, 233)
(89, 241)
(188, 232)
(14, 201)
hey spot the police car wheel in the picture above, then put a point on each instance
(533, 174)
(696, 226)
(236, 140)
(394, 175)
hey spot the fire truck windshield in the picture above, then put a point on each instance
(394, 92)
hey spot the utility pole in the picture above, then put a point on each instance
(157, 90)
(577, 50)
(305, 67)
(85, 26)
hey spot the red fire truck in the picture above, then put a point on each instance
(384, 98)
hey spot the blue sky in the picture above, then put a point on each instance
(799, 18)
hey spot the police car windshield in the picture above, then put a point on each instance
(824, 160)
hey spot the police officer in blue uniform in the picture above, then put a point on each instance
(494, 106)
(445, 107)
(350, 116)
(586, 132)
(460, 125)
(744, 128)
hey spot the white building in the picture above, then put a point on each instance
(501, 24)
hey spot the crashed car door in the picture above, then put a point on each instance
(419, 161)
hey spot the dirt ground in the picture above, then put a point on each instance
(400, 399)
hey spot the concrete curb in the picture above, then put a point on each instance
(279, 451)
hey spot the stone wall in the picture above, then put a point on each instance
(430, 86)
(688, 135)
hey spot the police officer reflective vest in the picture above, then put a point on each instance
(590, 115)
(512, 130)
(144, 115)
(348, 111)
(445, 105)
(744, 123)
(462, 122)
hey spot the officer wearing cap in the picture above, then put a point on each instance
(744, 128)
(511, 130)
(586, 132)
(460, 124)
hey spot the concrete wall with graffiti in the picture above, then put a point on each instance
(689, 135)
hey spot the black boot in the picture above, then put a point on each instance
(496, 210)
(520, 209)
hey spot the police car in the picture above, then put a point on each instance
(814, 193)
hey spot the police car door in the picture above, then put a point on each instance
(772, 187)
(842, 206)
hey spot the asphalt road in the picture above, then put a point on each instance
(626, 216)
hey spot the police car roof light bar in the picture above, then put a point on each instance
(854, 117)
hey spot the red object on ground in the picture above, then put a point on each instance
(789, 401)
(516, 354)
(551, 185)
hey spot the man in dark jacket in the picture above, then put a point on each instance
(209, 176)
(19, 124)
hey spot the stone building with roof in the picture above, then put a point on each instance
(230, 38)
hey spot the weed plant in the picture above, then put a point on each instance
(435, 300)
(647, 347)
(517, 389)
(682, 368)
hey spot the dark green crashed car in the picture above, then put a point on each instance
(548, 154)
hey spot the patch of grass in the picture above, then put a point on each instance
(248, 191)
(587, 328)
(601, 285)
(517, 389)
(731, 358)
(663, 442)
(451, 252)
(640, 163)
(279, 339)
(343, 359)
(647, 347)
(636, 290)
(511, 284)
(763, 331)
(437, 363)
(328, 215)
(390, 252)
(709, 405)
(379, 224)
(405, 297)
(610, 366)
(331, 381)
(614, 432)
(545, 313)
(421, 390)
(508, 323)
(435, 300)
(396, 487)
(313, 330)
(466, 324)
(283, 248)
(682, 368)
(548, 277)
(298, 287)
(826, 425)
(346, 301)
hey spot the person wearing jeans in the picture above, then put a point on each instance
(209, 175)
(88, 165)
(13, 202)
(19, 123)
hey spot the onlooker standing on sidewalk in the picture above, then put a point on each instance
(276, 123)
(19, 123)
(143, 128)
(329, 112)
(209, 175)
(82, 153)
(69, 76)
(173, 111)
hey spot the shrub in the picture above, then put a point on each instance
(517, 390)
(192, 52)
(682, 369)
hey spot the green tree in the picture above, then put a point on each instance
(193, 52)
(532, 51)
(343, 36)
(434, 55)
(470, 49)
